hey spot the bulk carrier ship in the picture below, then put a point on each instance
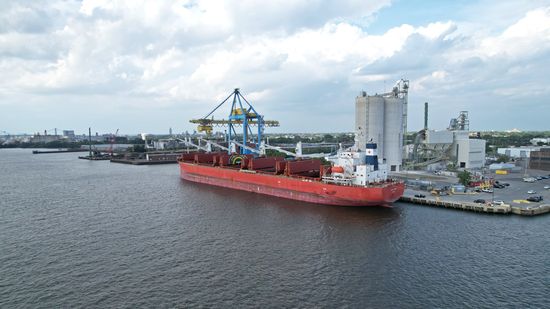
(353, 178)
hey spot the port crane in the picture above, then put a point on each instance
(242, 114)
(112, 141)
(199, 145)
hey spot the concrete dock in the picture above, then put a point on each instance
(150, 158)
(483, 208)
(514, 195)
(58, 151)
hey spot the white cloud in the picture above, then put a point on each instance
(303, 56)
(528, 36)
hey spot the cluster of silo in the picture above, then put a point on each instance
(380, 119)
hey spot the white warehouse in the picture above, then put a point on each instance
(517, 152)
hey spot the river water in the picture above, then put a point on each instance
(76, 233)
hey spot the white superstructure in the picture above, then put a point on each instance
(357, 167)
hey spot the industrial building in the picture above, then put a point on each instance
(540, 159)
(468, 152)
(69, 134)
(382, 118)
(434, 149)
(517, 152)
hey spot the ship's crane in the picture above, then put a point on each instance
(242, 114)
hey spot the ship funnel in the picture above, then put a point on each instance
(372, 155)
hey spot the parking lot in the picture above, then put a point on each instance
(515, 194)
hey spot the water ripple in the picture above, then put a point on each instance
(94, 234)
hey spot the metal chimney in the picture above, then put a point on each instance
(425, 115)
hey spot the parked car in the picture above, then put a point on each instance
(498, 202)
(535, 199)
(479, 201)
(539, 178)
(529, 179)
(545, 177)
(487, 190)
(505, 184)
(499, 186)
(531, 192)
(420, 195)
(546, 187)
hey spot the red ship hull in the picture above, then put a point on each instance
(296, 188)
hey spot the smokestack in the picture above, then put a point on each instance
(90, 141)
(425, 115)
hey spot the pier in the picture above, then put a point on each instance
(58, 151)
(150, 158)
(481, 208)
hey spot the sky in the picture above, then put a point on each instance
(148, 66)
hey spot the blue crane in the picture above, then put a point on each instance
(243, 114)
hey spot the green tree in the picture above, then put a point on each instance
(464, 177)
(451, 167)
(503, 158)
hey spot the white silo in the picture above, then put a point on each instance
(381, 118)
(375, 123)
(361, 120)
(393, 132)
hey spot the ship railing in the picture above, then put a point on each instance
(337, 180)
(348, 181)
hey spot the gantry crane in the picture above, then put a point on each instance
(242, 114)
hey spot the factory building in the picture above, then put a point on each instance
(517, 152)
(540, 159)
(69, 134)
(434, 149)
(381, 118)
(468, 152)
(437, 148)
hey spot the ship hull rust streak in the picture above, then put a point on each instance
(295, 188)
